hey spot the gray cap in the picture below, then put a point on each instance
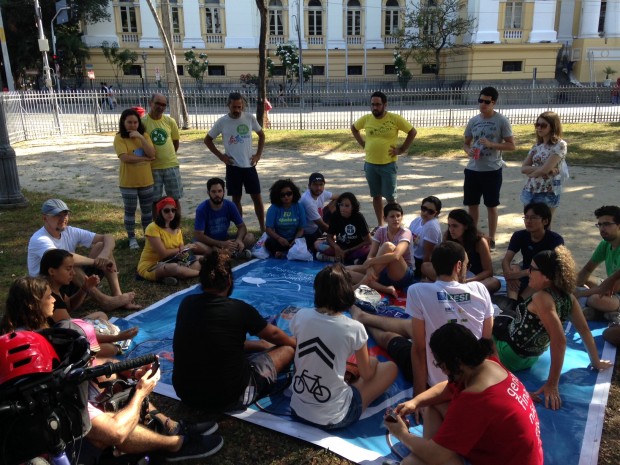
(54, 207)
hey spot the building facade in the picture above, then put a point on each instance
(513, 40)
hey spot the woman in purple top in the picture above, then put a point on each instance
(388, 266)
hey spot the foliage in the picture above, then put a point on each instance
(198, 65)
(71, 50)
(434, 26)
(287, 53)
(249, 79)
(609, 71)
(119, 60)
(403, 74)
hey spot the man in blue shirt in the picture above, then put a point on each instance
(213, 218)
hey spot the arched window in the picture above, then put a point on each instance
(276, 24)
(315, 18)
(354, 18)
(392, 17)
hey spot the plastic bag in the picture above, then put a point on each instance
(259, 250)
(299, 251)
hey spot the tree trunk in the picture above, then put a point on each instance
(262, 62)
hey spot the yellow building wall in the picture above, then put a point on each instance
(591, 70)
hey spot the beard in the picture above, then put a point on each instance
(216, 200)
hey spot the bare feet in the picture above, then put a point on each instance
(391, 290)
(125, 300)
(128, 334)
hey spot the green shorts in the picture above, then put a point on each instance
(510, 359)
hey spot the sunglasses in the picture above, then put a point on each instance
(533, 268)
(430, 211)
(286, 194)
(486, 102)
(169, 210)
(541, 125)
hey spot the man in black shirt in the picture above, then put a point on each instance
(214, 366)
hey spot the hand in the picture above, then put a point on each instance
(410, 407)
(227, 159)
(513, 284)
(552, 396)
(283, 242)
(602, 365)
(254, 159)
(134, 134)
(239, 246)
(395, 151)
(339, 253)
(91, 282)
(397, 428)
(128, 334)
(147, 383)
(486, 142)
(104, 264)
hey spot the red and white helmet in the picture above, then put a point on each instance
(25, 353)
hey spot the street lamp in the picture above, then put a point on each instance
(144, 55)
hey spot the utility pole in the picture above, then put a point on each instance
(171, 64)
(44, 47)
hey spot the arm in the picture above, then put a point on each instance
(259, 149)
(208, 140)
(506, 262)
(358, 137)
(367, 367)
(148, 148)
(607, 287)
(482, 247)
(202, 237)
(581, 325)
(160, 248)
(545, 169)
(384, 259)
(242, 230)
(438, 394)
(365, 242)
(78, 298)
(467, 145)
(426, 450)
(585, 272)
(508, 144)
(175, 144)
(526, 166)
(108, 244)
(418, 356)
(405, 147)
(428, 250)
(276, 336)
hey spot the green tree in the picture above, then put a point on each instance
(403, 74)
(120, 60)
(287, 53)
(198, 66)
(435, 26)
(73, 52)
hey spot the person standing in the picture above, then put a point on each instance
(164, 134)
(236, 129)
(381, 130)
(487, 135)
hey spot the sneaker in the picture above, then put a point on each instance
(196, 447)
(194, 429)
(324, 258)
(133, 244)
(170, 281)
(492, 245)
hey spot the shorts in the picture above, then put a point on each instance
(353, 413)
(170, 180)
(549, 198)
(237, 177)
(263, 377)
(417, 272)
(510, 359)
(403, 283)
(485, 184)
(399, 348)
(382, 180)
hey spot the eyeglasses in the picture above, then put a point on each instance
(541, 125)
(430, 211)
(604, 225)
(533, 268)
(286, 194)
(169, 210)
(531, 217)
(485, 101)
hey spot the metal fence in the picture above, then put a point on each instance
(40, 115)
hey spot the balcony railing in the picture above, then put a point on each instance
(177, 38)
(214, 38)
(129, 38)
(513, 33)
(277, 40)
(354, 40)
(390, 40)
(315, 40)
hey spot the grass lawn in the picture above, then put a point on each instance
(588, 144)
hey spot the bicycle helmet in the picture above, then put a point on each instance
(25, 353)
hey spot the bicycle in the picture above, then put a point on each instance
(321, 393)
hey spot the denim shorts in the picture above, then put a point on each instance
(549, 198)
(403, 283)
(353, 414)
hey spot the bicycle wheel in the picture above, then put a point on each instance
(321, 393)
(298, 385)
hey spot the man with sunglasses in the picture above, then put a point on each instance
(487, 135)
(164, 134)
(608, 251)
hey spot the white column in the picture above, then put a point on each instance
(191, 20)
(372, 19)
(590, 12)
(335, 24)
(612, 19)
(101, 31)
(567, 17)
(150, 32)
(544, 21)
(487, 14)
(242, 24)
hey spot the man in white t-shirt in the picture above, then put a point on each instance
(432, 305)
(313, 201)
(57, 234)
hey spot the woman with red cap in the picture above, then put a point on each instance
(165, 257)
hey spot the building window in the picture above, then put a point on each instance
(216, 70)
(392, 17)
(601, 18)
(389, 69)
(508, 66)
(354, 18)
(318, 70)
(276, 26)
(429, 68)
(512, 20)
(176, 25)
(180, 70)
(278, 71)
(128, 19)
(133, 70)
(212, 16)
(315, 18)
(354, 70)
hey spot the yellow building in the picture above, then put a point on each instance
(513, 40)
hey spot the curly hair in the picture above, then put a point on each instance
(553, 119)
(276, 188)
(215, 272)
(559, 266)
(333, 288)
(121, 124)
(23, 305)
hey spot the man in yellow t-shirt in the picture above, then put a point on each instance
(381, 128)
(164, 134)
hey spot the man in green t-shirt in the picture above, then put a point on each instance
(381, 129)
(608, 251)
